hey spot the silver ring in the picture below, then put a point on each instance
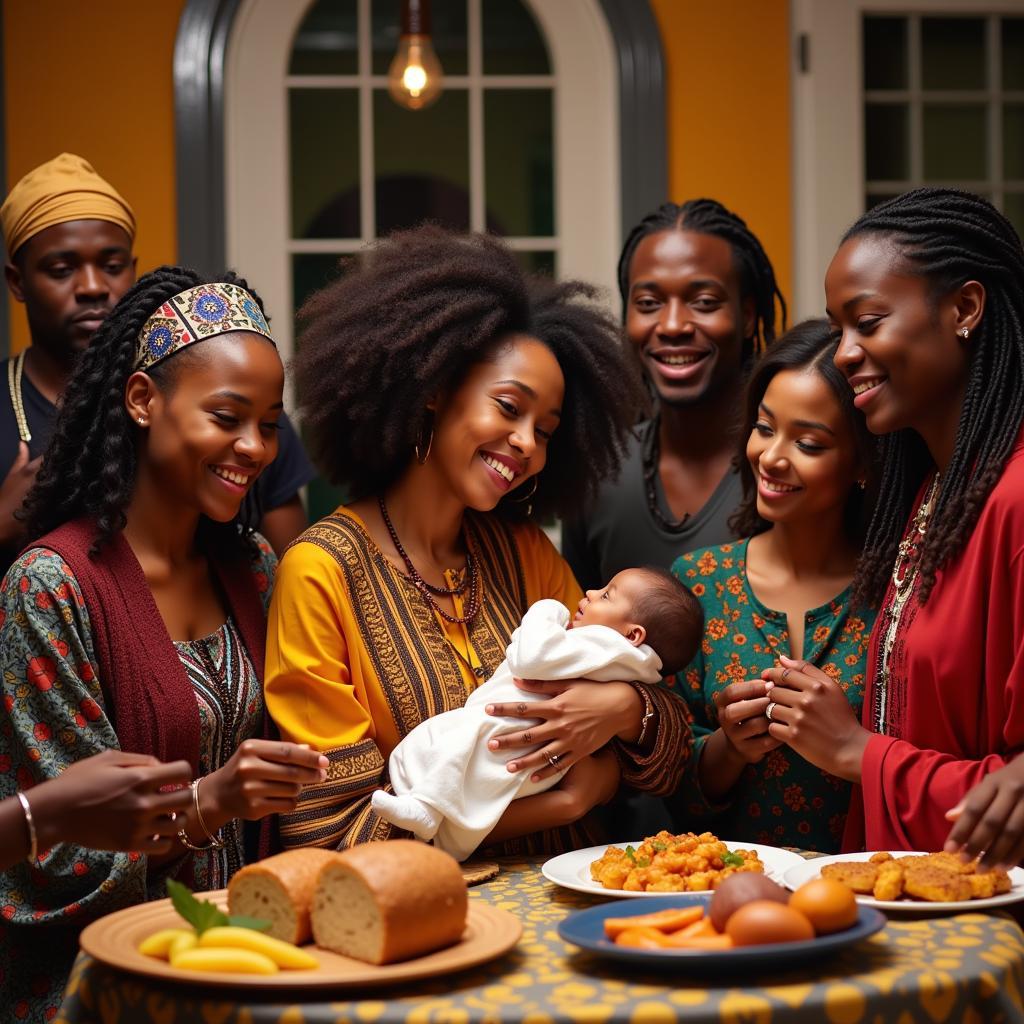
(769, 711)
(553, 760)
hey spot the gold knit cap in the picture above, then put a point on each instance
(195, 315)
(63, 189)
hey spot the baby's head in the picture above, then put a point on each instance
(648, 606)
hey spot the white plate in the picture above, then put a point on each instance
(807, 870)
(572, 870)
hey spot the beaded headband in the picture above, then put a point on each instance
(195, 315)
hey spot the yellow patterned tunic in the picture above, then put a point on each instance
(356, 659)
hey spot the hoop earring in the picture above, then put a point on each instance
(528, 498)
(421, 458)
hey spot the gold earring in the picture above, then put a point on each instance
(528, 498)
(421, 458)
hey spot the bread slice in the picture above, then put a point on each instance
(280, 890)
(389, 901)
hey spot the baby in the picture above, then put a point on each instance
(449, 787)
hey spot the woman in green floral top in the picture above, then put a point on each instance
(806, 467)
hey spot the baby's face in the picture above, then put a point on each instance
(612, 605)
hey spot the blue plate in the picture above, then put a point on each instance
(585, 928)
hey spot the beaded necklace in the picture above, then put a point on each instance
(649, 460)
(15, 368)
(470, 578)
(904, 576)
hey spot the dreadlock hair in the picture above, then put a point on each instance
(949, 237)
(710, 217)
(90, 463)
(808, 347)
(409, 323)
(672, 617)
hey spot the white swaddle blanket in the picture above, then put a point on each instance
(448, 786)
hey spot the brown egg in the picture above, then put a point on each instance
(829, 905)
(741, 888)
(764, 921)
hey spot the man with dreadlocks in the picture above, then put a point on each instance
(69, 237)
(698, 299)
(926, 294)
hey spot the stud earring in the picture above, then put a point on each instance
(142, 421)
(965, 334)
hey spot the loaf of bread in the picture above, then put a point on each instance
(280, 890)
(390, 901)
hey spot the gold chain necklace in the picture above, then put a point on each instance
(904, 576)
(15, 368)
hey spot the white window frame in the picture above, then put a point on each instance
(828, 124)
(584, 81)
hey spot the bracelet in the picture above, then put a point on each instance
(215, 842)
(648, 712)
(32, 844)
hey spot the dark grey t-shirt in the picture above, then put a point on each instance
(619, 532)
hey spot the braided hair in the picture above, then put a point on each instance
(709, 217)
(948, 237)
(90, 463)
(409, 323)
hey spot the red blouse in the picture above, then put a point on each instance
(955, 707)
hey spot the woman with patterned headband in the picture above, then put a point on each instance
(136, 618)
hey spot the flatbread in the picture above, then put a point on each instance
(477, 871)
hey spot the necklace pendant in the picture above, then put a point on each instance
(478, 671)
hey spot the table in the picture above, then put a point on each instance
(963, 968)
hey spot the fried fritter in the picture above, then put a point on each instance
(935, 884)
(859, 875)
(889, 883)
(882, 857)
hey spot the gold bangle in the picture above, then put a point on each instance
(215, 842)
(32, 839)
(648, 711)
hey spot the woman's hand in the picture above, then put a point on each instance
(112, 801)
(990, 819)
(741, 708)
(581, 717)
(809, 712)
(262, 777)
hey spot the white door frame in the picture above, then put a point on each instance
(828, 125)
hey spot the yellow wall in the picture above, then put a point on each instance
(95, 79)
(729, 112)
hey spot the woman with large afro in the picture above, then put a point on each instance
(460, 402)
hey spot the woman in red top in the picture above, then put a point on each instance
(926, 294)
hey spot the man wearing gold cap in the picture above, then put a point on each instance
(69, 238)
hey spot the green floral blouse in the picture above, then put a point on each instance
(784, 800)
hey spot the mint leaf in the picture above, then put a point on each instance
(643, 863)
(733, 860)
(201, 914)
(254, 923)
(660, 846)
(631, 853)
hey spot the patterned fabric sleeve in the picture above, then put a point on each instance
(53, 716)
(656, 768)
(264, 569)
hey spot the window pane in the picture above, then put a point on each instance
(540, 262)
(518, 157)
(955, 142)
(324, 129)
(1013, 53)
(1013, 207)
(422, 162)
(886, 144)
(327, 42)
(885, 53)
(953, 53)
(513, 44)
(1013, 141)
(448, 21)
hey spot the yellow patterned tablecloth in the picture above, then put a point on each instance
(963, 968)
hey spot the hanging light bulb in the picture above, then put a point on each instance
(415, 77)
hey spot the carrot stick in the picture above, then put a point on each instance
(665, 920)
(710, 942)
(701, 927)
(641, 938)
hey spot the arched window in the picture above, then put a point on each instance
(319, 160)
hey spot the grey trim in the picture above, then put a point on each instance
(5, 312)
(199, 52)
(643, 145)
